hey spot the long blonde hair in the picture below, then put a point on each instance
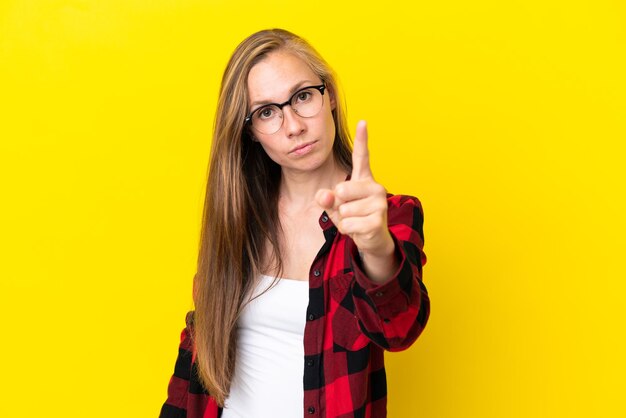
(241, 206)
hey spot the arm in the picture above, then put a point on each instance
(394, 313)
(186, 397)
(390, 300)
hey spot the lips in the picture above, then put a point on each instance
(301, 148)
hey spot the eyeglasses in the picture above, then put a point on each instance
(306, 103)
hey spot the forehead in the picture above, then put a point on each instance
(273, 78)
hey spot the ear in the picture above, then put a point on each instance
(332, 97)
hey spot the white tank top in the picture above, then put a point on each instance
(269, 370)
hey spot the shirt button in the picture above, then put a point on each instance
(324, 218)
(316, 273)
(379, 294)
(311, 317)
(311, 410)
(309, 363)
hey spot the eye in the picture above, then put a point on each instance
(265, 112)
(303, 96)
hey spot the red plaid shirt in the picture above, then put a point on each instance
(350, 321)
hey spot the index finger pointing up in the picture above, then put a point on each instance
(360, 154)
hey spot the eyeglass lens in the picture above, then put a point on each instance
(305, 103)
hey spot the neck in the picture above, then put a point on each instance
(298, 189)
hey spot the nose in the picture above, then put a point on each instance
(294, 125)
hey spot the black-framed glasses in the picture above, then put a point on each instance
(306, 103)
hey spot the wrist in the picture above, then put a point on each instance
(384, 250)
(380, 265)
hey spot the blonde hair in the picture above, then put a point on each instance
(241, 206)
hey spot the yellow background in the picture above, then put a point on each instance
(506, 118)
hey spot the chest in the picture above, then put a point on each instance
(301, 240)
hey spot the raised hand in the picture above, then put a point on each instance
(358, 207)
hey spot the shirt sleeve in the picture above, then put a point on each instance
(393, 314)
(186, 397)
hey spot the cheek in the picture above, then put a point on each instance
(269, 150)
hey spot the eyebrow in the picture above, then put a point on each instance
(293, 89)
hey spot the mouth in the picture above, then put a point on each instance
(302, 148)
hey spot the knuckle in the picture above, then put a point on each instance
(340, 190)
(380, 189)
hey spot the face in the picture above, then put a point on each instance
(301, 144)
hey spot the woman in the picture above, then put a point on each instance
(307, 268)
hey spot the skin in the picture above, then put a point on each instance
(312, 181)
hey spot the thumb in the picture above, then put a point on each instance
(325, 198)
(360, 154)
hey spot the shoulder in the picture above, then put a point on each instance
(187, 335)
(189, 319)
(403, 202)
(405, 218)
